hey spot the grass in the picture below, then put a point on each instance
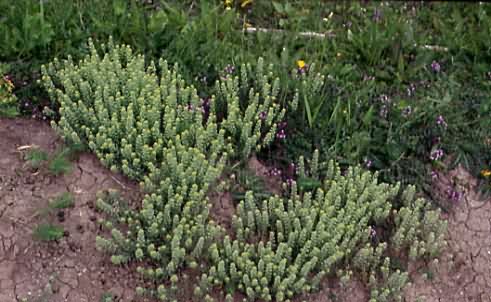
(59, 164)
(243, 179)
(107, 297)
(48, 232)
(63, 201)
(36, 157)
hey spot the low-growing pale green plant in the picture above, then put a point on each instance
(252, 107)
(144, 120)
(286, 246)
(153, 127)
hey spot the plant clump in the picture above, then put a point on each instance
(284, 246)
(48, 232)
(145, 121)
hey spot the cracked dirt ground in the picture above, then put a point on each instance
(73, 271)
(70, 270)
(463, 272)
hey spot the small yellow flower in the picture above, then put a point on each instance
(486, 172)
(301, 64)
(244, 3)
(339, 54)
(9, 83)
(247, 25)
(228, 4)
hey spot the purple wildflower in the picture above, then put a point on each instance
(205, 107)
(190, 107)
(377, 15)
(275, 172)
(436, 140)
(229, 69)
(441, 121)
(385, 99)
(435, 66)
(411, 89)
(434, 175)
(262, 115)
(372, 231)
(289, 181)
(302, 67)
(437, 154)
(407, 111)
(368, 163)
(454, 195)
(291, 169)
(281, 134)
(205, 102)
(383, 112)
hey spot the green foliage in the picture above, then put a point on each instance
(372, 95)
(392, 284)
(252, 108)
(8, 101)
(285, 246)
(62, 201)
(242, 179)
(418, 228)
(47, 232)
(144, 120)
(59, 164)
(107, 297)
(36, 157)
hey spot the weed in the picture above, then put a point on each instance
(48, 232)
(107, 297)
(63, 201)
(242, 180)
(60, 164)
(36, 157)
